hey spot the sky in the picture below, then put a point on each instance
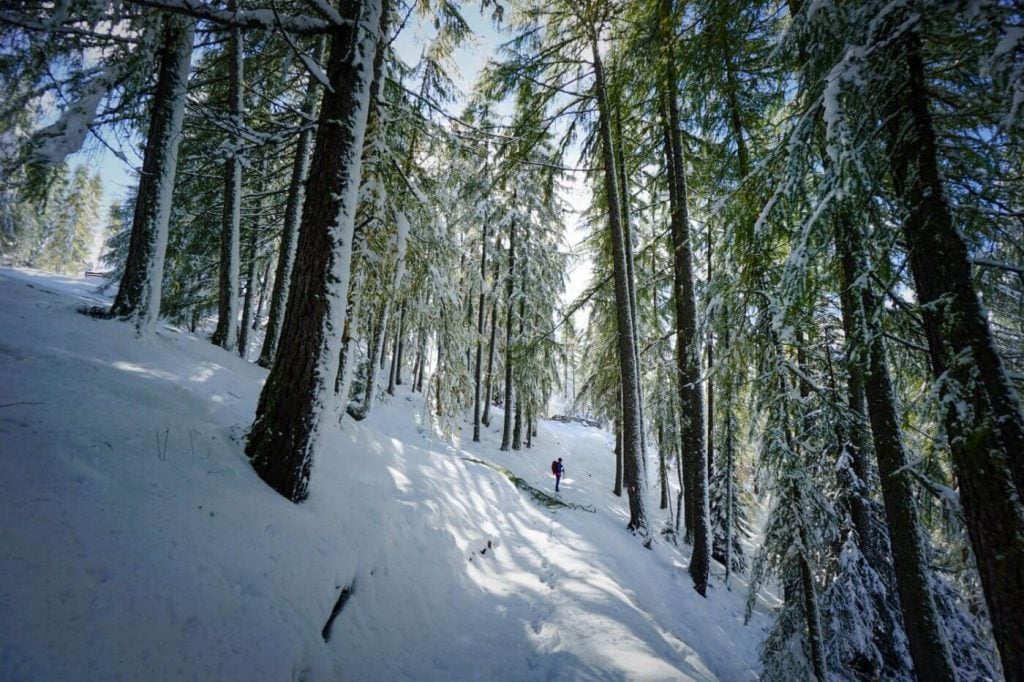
(118, 177)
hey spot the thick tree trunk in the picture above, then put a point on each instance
(506, 431)
(928, 645)
(299, 390)
(983, 419)
(138, 296)
(687, 357)
(292, 216)
(226, 333)
(629, 372)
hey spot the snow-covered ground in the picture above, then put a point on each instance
(136, 543)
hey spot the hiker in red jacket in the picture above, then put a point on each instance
(557, 469)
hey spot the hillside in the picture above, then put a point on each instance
(139, 544)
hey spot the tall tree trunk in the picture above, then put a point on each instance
(253, 258)
(687, 356)
(982, 414)
(226, 333)
(486, 419)
(138, 296)
(506, 431)
(478, 366)
(292, 216)
(627, 228)
(928, 645)
(517, 428)
(299, 390)
(422, 351)
(629, 372)
(711, 368)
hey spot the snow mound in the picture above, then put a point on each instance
(139, 544)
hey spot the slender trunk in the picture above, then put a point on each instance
(486, 419)
(396, 357)
(261, 301)
(687, 356)
(292, 216)
(662, 468)
(250, 290)
(253, 258)
(138, 296)
(624, 200)
(423, 360)
(506, 432)
(401, 344)
(478, 366)
(226, 333)
(910, 572)
(629, 372)
(982, 417)
(299, 391)
(812, 611)
(517, 428)
(370, 386)
(617, 487)
(711, 368)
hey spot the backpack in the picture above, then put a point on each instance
(555, 467)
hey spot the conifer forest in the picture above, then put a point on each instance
(800, 321)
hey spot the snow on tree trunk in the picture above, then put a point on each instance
(226, 333)
(138, 297)
(292, 216)
(629, 372)
(982, 417)
(299, 391)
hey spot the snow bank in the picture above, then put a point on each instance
(139, 544)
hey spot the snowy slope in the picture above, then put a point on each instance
(137, 543)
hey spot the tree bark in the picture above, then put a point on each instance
(982, 414)
(486, 419)
(517, 428)
(138, 296)
(299, 390)
(226, 333)
(253, 258)
(617, 486)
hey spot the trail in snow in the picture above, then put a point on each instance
(139, 544)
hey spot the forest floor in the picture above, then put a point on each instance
(137, 543)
